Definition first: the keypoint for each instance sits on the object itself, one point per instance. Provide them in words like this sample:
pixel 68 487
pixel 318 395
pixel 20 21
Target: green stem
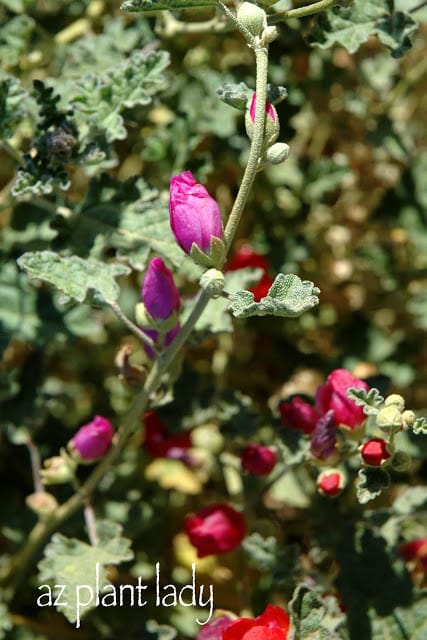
pixel 142 337
pixel 261 57
pixel 308 10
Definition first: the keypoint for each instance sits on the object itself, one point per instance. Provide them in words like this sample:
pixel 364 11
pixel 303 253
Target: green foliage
pixel 15 35
pixel 5 621
pixel 288 297
pixel 420 426
pixel 72 563
pixel 82 280
pixel 18 315
pixel 370 400
pixel 351 26
pixel 370 484
pixel 12 104
pixel 311 618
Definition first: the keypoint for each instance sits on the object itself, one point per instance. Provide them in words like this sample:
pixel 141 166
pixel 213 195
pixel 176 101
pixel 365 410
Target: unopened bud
pixel 277 153
pixel 395 400
pixel 41 502
pixel 408 418
pixel 270 34
pixel 330 482
pixel 252 17
pixel 58 469
pixel 389 416
pixel 212 281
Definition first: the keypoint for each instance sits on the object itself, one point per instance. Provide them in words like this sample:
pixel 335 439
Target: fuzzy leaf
pixel 13 108
pixel 311 618
pixel 128 216
pixel 72 563
pixel 74 277
pixel 410 501
pixel 14 39
pixel 164 5
pixel 420 426
pixel 370 400
pixel 288 297
pixel 18 316
pixel 99 100
pixel 350 26
pixel 370 484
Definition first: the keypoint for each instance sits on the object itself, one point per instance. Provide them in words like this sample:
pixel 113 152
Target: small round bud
pixel 41 502
pixel 258 460
pixel 212 281
pixel 277 153
pixel 252 17
pixel 389 416
pixel 58 469
pixel 395 400
pixel 330 482
pixel 374 452
pixel 270 34
pixel 408 418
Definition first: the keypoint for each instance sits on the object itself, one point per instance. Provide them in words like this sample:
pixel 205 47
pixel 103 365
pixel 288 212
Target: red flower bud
pixel 93 440
pixel 330 482
pixel 374 451
pixel 273 624
pixel 333 395
pixel 299 414
pixel 269 109
pixel 216 529
pixel 258 460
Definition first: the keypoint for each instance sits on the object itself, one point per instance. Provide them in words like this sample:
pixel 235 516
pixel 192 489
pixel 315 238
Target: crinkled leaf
pixel 350 26
pixel 370 400
pixel 74 277
pixel 164 5
pixel 18 315
pixel 128 216
pixel 288 297
pixel 370 483
pixel 14 39
pixel 99 100
pixel 410 501
pixel 13 104
pixel 420 426
pixel 72 563
pixel 311 618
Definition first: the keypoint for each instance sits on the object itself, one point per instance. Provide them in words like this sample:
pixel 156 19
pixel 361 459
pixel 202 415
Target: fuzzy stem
pixel 308 10
pixel 142 337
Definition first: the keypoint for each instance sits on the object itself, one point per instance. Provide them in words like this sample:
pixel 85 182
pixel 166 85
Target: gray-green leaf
pixel 370 483
pixel 74 277
pixel 352 26
pixel 73 563
pixel 370 400
pixel 288 297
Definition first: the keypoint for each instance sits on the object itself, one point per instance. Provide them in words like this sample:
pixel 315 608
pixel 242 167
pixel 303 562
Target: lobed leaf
pixel 72 563
pixel 370 400
pixel 350 26
pixel 288 297
pixel 74 277
pixel 370 484
pixel 420 426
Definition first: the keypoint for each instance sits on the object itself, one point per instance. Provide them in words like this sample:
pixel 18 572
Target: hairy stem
pixel 308 10
pixel 142 337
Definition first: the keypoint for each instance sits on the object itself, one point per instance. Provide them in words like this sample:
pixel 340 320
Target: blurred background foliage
pixel 348 210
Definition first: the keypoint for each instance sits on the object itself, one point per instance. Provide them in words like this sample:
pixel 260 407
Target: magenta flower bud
pixel 93 440
pixel 258 460
pixel 269 109
pixel 194 215
pixel 298 414
pixel 154 335
pixel 159 293
pixel 324 438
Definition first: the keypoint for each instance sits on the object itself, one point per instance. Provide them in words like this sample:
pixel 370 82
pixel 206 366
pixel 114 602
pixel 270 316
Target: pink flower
pixel 273 624
pixel 93 440
pixel 299 414
pixel 258 460
pixel 333 395
pixel 215 529
pixel 374 451
pixel 194 215
pixel 214 629
pixel 247 257
pixel 159 293
pixel 269 109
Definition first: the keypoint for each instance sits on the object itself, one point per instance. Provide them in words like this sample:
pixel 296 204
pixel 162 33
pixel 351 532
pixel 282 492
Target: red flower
pixel 416 550
pixel 258 460
pixel 159 444
pixel 299 414
pixel 333 395
pixel 273 624
pixel 374 451
pixel 215 529
pixel 247 257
